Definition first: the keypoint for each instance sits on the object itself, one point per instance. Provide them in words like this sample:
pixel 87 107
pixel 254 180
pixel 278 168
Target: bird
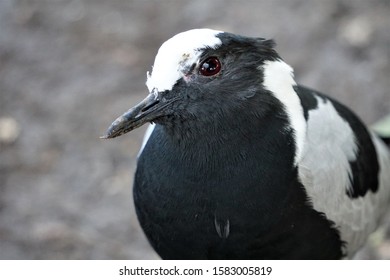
pixel 241 162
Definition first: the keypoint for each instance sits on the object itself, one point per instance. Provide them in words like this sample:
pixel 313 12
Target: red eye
pixel 210 67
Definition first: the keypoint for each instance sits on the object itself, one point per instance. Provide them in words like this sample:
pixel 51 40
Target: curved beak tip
pixel 116 129
pixel 135 117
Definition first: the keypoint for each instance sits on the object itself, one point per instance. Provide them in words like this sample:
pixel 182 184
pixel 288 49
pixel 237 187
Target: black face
pixel 225 79
pixel 224 82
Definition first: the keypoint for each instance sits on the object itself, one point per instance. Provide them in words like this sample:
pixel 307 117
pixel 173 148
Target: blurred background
pixel 69 68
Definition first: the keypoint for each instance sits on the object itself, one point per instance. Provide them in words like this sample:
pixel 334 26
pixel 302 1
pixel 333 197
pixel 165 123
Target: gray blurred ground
pixel 68 68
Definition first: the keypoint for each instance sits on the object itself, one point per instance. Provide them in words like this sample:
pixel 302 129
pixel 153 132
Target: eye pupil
pixel 210 67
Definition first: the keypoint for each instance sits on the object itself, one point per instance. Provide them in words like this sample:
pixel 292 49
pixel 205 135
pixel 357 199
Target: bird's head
pixel 205 75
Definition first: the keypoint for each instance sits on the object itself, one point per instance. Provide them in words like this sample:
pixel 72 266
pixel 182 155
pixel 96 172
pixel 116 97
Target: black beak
pixel 146 111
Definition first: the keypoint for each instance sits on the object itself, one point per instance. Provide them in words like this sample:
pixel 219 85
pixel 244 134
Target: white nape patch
pixel 325 171
pixel 176 54
pixel 279 79
pixel 148 132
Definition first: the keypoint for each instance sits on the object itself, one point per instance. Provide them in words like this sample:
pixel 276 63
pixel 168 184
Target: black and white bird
pixel 241 162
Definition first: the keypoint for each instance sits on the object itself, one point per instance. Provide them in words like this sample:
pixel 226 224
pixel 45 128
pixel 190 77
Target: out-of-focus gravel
pixel 68 68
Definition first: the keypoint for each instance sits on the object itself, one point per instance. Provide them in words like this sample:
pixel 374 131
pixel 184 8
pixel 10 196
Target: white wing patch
pixel 279 79
pixel 324 170
pixel 176 54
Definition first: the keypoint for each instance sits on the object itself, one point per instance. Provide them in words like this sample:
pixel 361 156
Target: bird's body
pixel 243 163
